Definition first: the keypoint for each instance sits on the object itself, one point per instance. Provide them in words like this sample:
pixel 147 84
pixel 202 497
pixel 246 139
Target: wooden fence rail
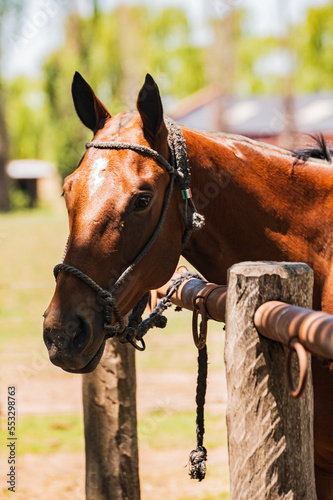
pixel 274 319
pixel 190 289
pixel 270 435
pixel 282 322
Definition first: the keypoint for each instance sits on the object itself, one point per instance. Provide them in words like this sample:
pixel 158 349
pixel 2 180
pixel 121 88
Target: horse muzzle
pixel 71 345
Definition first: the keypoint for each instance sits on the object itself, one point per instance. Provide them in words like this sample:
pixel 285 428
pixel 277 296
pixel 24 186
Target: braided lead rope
pixel 134 319
pixel 156 319
pixel 198 457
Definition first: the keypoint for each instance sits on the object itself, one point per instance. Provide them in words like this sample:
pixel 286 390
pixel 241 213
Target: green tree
pixel 305 53
pixel 114 51
pixel 313 41
pixel 7 8
pixel 27 119
pixel 236 58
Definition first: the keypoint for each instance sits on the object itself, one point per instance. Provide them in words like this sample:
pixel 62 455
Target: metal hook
pixel 199 308
pixel 297 347
pixel 134 344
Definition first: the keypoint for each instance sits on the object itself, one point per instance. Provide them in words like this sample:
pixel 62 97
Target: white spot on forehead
pixel 96 178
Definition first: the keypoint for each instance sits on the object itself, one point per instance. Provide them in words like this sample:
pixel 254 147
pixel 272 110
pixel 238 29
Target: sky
pixel 39 31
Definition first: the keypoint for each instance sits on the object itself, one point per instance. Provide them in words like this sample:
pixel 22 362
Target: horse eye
pixel 142 202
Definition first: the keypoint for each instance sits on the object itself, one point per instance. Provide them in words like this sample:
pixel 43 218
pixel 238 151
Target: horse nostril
pixel 47 338
pixel 82 336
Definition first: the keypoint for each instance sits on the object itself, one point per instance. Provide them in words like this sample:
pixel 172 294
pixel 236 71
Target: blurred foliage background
pixel 114 49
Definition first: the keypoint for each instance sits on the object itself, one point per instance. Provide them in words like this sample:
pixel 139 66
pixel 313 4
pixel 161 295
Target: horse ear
pixel 150 107
pixel 89 108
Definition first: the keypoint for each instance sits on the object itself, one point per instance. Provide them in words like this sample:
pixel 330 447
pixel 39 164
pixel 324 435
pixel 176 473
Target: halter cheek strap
pixel 179 169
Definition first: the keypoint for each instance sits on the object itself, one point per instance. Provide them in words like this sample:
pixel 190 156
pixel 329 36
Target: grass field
pixel 49 424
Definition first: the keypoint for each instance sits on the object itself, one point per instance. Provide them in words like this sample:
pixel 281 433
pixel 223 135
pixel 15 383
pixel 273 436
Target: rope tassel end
pixel 197 463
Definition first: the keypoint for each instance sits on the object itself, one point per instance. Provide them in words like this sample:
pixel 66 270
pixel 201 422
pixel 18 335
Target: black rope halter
pixel 178 168
pixel 134 331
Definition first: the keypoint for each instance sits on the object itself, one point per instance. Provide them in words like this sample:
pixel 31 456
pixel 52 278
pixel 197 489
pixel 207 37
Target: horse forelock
pixel 124 126
pixel 126 118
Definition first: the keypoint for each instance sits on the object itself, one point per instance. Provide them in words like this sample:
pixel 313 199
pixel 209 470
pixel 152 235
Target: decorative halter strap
pixel 179 169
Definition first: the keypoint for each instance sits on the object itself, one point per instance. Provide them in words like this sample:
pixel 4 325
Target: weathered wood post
pixel 110 421
pixel 270 435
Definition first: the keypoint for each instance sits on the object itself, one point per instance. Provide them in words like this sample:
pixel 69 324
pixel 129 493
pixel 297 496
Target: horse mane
pixel 320 150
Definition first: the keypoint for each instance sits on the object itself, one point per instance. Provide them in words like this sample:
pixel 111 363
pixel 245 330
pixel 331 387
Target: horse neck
pixel 257 206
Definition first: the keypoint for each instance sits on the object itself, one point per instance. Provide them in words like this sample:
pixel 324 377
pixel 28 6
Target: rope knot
pixel 161 321
pixel 110 331
pixel 195 221
pixel 197 463
pixel 106 297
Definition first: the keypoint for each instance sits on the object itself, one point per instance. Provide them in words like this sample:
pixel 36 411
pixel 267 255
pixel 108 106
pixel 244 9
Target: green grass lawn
pixel 30 245
pixel 156 430
pixel 47 434
pixel 159 430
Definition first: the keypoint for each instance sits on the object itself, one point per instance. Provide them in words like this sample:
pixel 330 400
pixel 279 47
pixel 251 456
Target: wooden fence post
pixel 270 435
pixel 110 421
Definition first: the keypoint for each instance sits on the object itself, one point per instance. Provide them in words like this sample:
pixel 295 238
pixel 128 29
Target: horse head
pixel 114 199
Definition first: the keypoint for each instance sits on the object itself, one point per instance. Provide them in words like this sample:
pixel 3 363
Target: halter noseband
pixel 178 168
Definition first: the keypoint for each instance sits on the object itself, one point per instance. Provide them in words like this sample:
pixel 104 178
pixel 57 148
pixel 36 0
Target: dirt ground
pixel 57 392
pixel 43 389
pixel 63 474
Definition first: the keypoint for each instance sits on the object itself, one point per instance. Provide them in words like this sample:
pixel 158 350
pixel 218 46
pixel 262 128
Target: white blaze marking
pixel 96 178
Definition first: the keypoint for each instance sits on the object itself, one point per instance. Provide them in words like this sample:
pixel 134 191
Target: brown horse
pixel 259 203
